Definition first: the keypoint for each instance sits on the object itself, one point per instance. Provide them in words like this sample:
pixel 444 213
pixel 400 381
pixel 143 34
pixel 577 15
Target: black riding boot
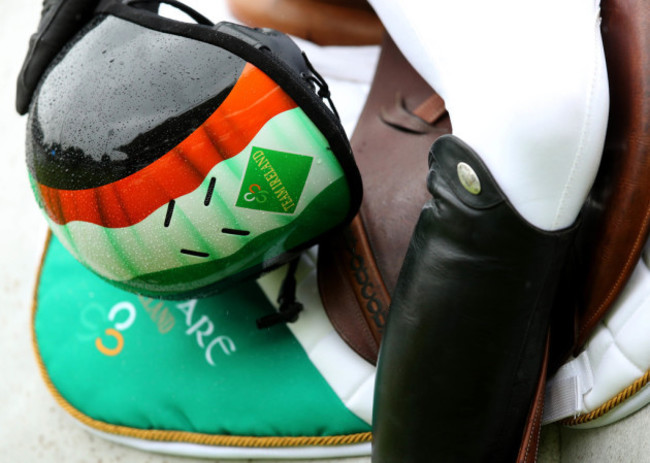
pixel 466 335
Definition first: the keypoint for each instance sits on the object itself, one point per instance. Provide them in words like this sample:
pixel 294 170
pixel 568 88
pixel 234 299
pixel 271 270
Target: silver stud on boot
pixel 468 178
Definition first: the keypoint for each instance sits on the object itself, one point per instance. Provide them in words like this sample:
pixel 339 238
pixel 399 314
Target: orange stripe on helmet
pixel 253 101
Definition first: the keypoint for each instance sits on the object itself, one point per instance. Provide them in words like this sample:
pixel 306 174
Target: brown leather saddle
pixel 358 269
pixel 325 22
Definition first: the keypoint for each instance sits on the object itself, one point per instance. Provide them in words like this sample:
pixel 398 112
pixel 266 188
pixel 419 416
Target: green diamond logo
pixel 273 181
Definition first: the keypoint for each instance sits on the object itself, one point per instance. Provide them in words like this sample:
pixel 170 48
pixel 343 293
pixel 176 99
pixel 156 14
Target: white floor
pixel 32 426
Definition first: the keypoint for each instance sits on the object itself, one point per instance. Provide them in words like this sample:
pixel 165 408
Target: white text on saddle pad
pixel 204 328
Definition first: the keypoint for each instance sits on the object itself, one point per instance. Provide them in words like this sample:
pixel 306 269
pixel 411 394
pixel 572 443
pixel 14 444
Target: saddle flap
pixel 358 268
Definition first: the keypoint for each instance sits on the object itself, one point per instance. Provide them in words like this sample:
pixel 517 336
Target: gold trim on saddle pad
pixel 608 406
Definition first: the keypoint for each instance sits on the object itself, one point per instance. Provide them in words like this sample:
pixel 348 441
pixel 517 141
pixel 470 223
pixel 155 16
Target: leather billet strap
pixel 358 268
pixel 530 442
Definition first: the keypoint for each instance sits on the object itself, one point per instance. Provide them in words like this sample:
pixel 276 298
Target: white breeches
pixel 525 85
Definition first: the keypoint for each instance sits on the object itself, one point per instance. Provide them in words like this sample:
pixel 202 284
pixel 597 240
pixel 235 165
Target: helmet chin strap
pixel 289 307
pixel 317 79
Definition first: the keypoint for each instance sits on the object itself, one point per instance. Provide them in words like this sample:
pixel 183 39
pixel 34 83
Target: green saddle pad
pixel 192 377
